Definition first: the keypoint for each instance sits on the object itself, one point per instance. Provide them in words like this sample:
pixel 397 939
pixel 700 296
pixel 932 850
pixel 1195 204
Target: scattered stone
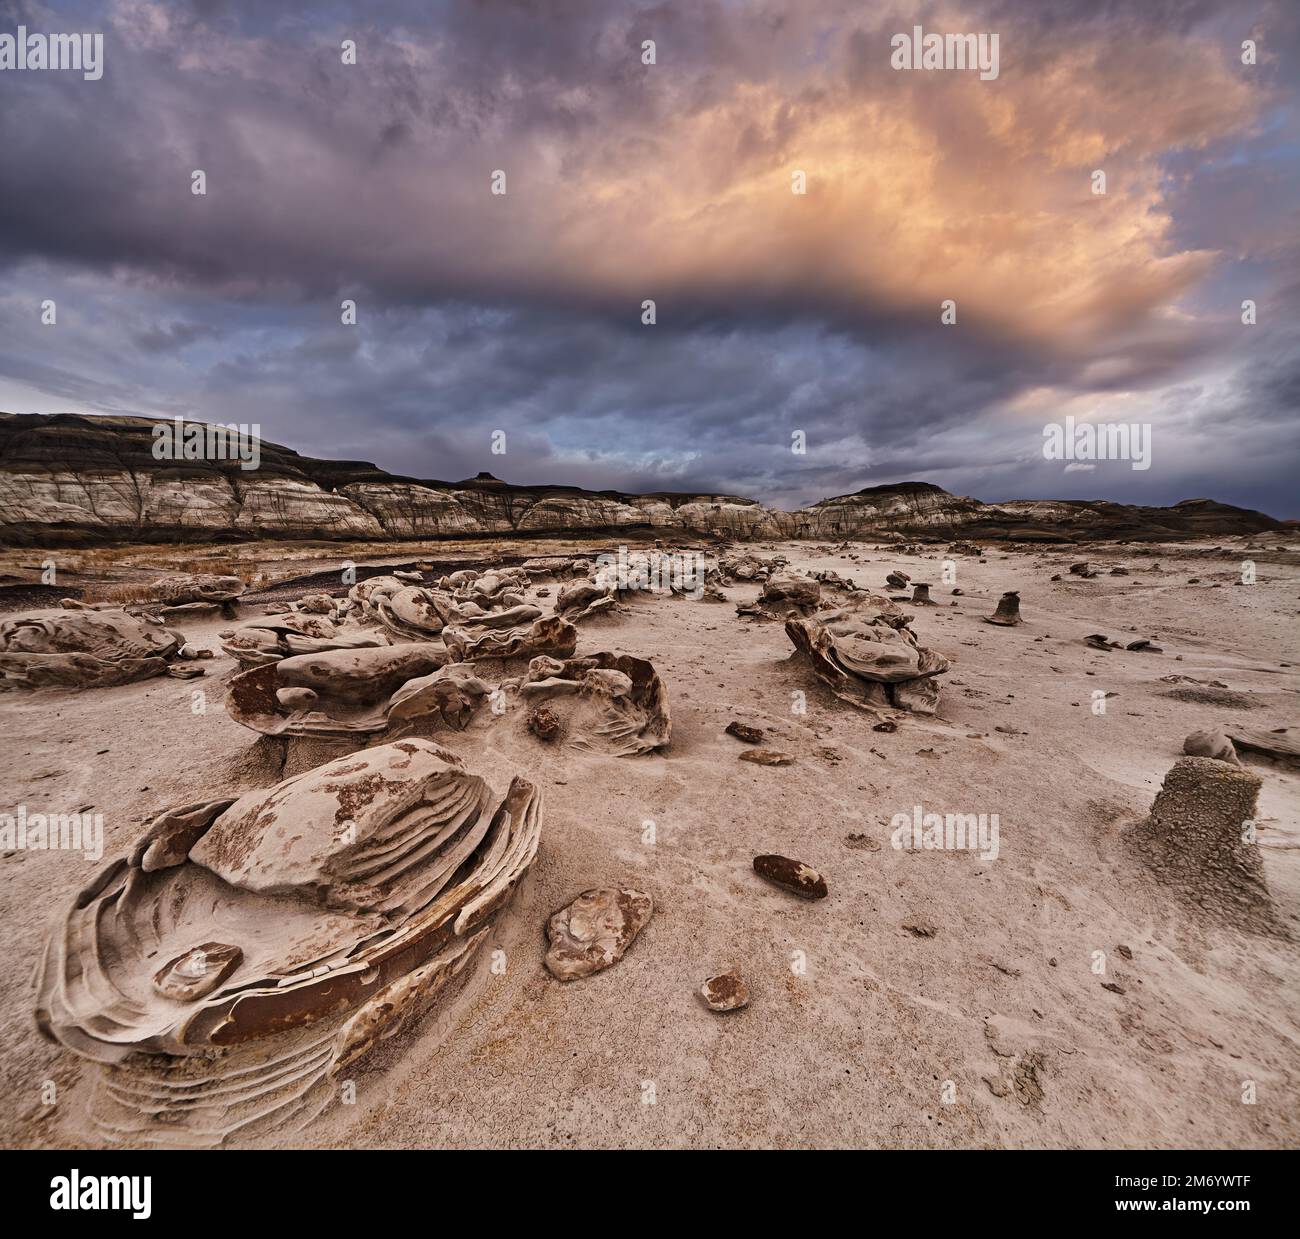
pixel 861 843
pixel 1212 695
pixel 886 725
pixel 921 929
pixel 1114 989
pixel 1143 646
pixel 767 757
pixel 743 731
pixel 595 931
pixel 792 875
pixel 897 580
pixel 1099 641
pixel 544 723
pixel 725 992
pixel 1124 952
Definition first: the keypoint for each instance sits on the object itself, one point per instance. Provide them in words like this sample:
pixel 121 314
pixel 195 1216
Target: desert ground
pixel 933 1000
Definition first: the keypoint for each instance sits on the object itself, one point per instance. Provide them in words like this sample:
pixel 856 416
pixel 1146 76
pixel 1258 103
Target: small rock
pixel 921 929
pixel 595 930
pixel 725 992
pixel 1211 744
pixel 792 875
pixel 544 723
pixel 767 757
pixel 742 731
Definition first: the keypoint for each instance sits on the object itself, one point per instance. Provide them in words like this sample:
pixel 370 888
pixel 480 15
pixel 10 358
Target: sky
pixel 782 319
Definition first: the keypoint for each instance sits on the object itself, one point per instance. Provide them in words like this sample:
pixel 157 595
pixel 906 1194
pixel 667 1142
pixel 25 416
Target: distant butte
pixel 71 480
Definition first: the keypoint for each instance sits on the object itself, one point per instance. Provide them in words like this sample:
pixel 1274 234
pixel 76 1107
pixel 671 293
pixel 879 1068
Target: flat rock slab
pixel 792 875
pixel 767 757
pixel 595 930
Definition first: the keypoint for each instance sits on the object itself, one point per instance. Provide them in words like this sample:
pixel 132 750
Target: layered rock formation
pixel 250 950
pixel 72 480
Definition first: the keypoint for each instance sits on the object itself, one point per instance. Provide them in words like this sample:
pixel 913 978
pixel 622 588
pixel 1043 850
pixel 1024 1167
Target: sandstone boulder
pixel 249 951
pixel 85 649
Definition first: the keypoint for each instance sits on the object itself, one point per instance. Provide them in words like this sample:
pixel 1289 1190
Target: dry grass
pixel 136 592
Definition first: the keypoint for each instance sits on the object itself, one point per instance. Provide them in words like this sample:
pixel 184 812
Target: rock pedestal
pixel 1008 612
pixel 1193 841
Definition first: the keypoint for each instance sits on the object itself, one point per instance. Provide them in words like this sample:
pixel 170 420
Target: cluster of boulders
pixel 421 670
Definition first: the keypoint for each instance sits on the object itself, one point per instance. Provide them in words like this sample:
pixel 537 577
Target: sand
pixel 932 1000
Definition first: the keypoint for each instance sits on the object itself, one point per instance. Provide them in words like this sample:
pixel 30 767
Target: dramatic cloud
pixel 776 312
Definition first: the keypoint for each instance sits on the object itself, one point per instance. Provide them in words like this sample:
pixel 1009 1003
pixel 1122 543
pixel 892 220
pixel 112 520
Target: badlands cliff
pixel 72 480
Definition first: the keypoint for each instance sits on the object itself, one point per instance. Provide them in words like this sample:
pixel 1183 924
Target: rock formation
pixel 1199 842
pixel 66 479
pixel 1008 610
pixel 611 702
pixel 85 649
pixel 869 657
pixel 791 591
pixel 338 693
pixel 248 951
pixel 285 636
pixel 183 588
pixel 553 636
pixel 449 697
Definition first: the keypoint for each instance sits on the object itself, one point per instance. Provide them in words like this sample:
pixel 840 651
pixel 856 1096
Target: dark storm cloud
pixel 670 182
